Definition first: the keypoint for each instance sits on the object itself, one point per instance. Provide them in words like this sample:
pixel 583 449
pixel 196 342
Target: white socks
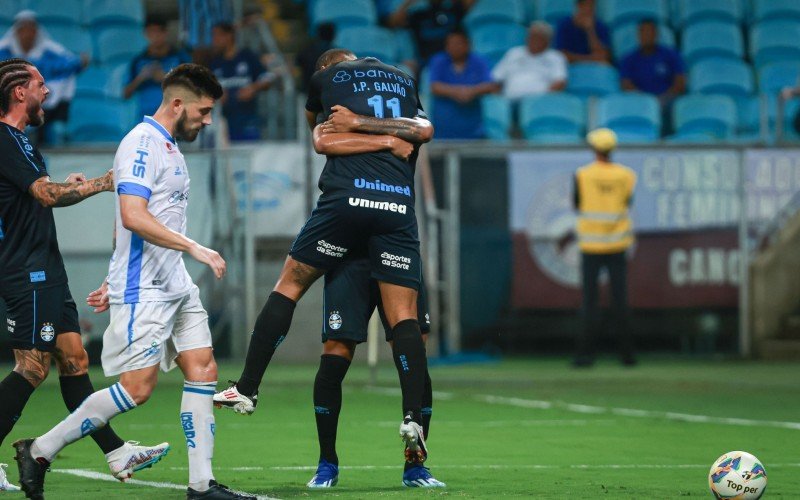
pixel 92 414
pixel 197 418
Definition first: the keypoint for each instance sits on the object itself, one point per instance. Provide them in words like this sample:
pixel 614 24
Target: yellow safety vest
pixel 604 191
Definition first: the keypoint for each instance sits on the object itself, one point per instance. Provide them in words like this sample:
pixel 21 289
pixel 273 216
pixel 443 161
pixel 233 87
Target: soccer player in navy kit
pixel 367 205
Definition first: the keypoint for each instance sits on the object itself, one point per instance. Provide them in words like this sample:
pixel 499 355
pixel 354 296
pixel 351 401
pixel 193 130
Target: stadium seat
pixel 102 81
pixel 694 11
pixel 748 119
pixel 721 76
pixel 492 41
pixel 592 79
pixel 114 12
pixel 695 116
pixel 53 12
pixel 769 10
pixel 108 121
pixel 552 118
pixel 76 39
pixel 344 14
pixel 406 46
pixel 774 77
pixel 625 39
pixel 553 11
pixel 118 45
pixel 635 117
pixel 9 10
pixel 791 108
pixel 711 40
pixel 370 41
pixel 774 41
pixel 495 11
pixel 620 13
pixel 496 114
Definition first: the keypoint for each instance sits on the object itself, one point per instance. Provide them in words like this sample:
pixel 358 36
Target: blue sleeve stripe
pixel 8 128
pixel 134 189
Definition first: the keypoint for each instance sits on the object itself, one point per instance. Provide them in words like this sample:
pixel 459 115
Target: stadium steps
pixel 779 350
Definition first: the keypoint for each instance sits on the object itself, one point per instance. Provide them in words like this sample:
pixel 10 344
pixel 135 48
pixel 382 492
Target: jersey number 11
pixel 393 104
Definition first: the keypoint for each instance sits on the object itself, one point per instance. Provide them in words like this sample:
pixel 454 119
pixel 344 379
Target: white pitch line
pixel 152 484
pixel 498 466
pixel 395 391
pixel 628 412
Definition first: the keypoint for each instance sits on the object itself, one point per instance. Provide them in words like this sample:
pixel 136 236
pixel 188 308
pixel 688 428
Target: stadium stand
pixel 495 11
pixel 554 118
pixel 694 11
pixel 492 41
pixel 748 119
pixel 711 40
pixel 774 41
pixel 496 113
pixel 635 117
pixel 370 41
pixel 552 11
pixel 115 45
pixel 73 37
pixel 344 14
pixel 721 76
pixel 51 13
pixel 104 13
pixel 619 13
pixel 108 121
pixel 624 39
pixel 592 79
pixel 704 118
pixel 772 78
pixel 767 10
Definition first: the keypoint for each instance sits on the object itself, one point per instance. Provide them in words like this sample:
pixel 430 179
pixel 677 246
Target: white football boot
pixel 232 399
pixel 4 484
pixel 412 435
pixel 131 457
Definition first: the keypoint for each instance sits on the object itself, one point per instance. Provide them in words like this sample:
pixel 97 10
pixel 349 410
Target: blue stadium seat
pixel 76 39
pixel 711 40
pixel 9 10
pixel 712 116
pixel 118 45
pixel 625 39
pixel 495 11
pixel 748 119
pixel 370 41
pixel 531 10
pixel 623 12
pixel 108 121
pixel 406 46
pixel 114 12
pixel 694 11
pixel 791 108
pixel 774 77
pixel 768 10
pixel 344 14
pixel 634 116
pixel 592 79
pixel 552 118
pixel 775 41
pixel 492 41
pixel 52 12
pixel 721 76
pixel 553 11
pixel 102 81
pixel 496 114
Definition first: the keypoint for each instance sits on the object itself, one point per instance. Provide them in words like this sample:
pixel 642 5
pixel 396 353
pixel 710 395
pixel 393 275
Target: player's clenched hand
pixel 79 177
pixel 210 258
pixel 99 298
pixel 341 120
pixel 401 149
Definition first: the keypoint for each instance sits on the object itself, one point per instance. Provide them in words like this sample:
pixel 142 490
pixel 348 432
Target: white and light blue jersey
pixel 149 164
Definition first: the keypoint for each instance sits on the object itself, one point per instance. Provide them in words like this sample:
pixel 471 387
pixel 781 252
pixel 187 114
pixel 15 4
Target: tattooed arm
pixel 64 194
pixel 414 130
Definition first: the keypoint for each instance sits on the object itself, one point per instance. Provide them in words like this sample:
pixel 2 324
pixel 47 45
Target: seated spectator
pixel 654 69
pixel 58 66
pixel 534 68
pixel 148 68
pixel 582 37
pixel 458 78
pixel 306 59
pixel 430 24
pixel 242 77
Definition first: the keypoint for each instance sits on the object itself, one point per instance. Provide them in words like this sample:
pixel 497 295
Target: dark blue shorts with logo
pixel 349 299
pixel 364 222
pixel 35 318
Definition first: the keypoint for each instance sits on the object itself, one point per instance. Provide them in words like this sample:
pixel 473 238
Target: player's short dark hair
pixel 225 26
pixel 155 20
pixel 331 56
pixel 326 31
pixel 459 31
pixel 13 73
pixel 196 78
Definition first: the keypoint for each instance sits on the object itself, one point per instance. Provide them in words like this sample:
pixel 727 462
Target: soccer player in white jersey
pixel 156 315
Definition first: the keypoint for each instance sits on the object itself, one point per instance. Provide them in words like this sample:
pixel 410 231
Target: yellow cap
pixel 602 140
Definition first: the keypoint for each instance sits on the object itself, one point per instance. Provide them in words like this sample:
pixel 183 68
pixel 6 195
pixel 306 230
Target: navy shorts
pixel 34 319
pixel 350 296
pixel 384 230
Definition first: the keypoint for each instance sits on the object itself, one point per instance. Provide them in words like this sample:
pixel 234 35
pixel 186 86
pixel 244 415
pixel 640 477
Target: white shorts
pixel 151 333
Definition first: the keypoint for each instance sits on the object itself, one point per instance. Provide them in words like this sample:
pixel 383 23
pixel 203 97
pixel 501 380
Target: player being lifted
pixel 156 315
pixel 366 205
pixel 42 318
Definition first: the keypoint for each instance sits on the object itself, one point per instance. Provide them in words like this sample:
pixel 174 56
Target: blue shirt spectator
pixel 242 77
pixel 146 70
pixel 653 68
pixel 458 79
pixel 582 37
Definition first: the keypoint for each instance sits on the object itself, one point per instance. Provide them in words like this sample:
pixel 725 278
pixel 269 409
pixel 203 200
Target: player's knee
pixel 139 390
pixel 73 364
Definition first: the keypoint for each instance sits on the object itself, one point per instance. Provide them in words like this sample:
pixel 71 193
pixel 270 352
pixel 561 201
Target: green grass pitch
pixel 520 428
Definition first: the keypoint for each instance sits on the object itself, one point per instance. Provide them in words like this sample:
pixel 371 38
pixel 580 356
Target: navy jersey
pixel 366 87
pixel 29 255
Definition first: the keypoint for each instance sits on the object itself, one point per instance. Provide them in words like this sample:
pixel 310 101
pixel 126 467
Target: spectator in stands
pixel 58 66
pixel 459 78
pixel 429 24
pixel 603 192
pixel 242 77
pixel 307 58
pixel 582 37
pixel 148 68
pixel 655 69
pixel 534 68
